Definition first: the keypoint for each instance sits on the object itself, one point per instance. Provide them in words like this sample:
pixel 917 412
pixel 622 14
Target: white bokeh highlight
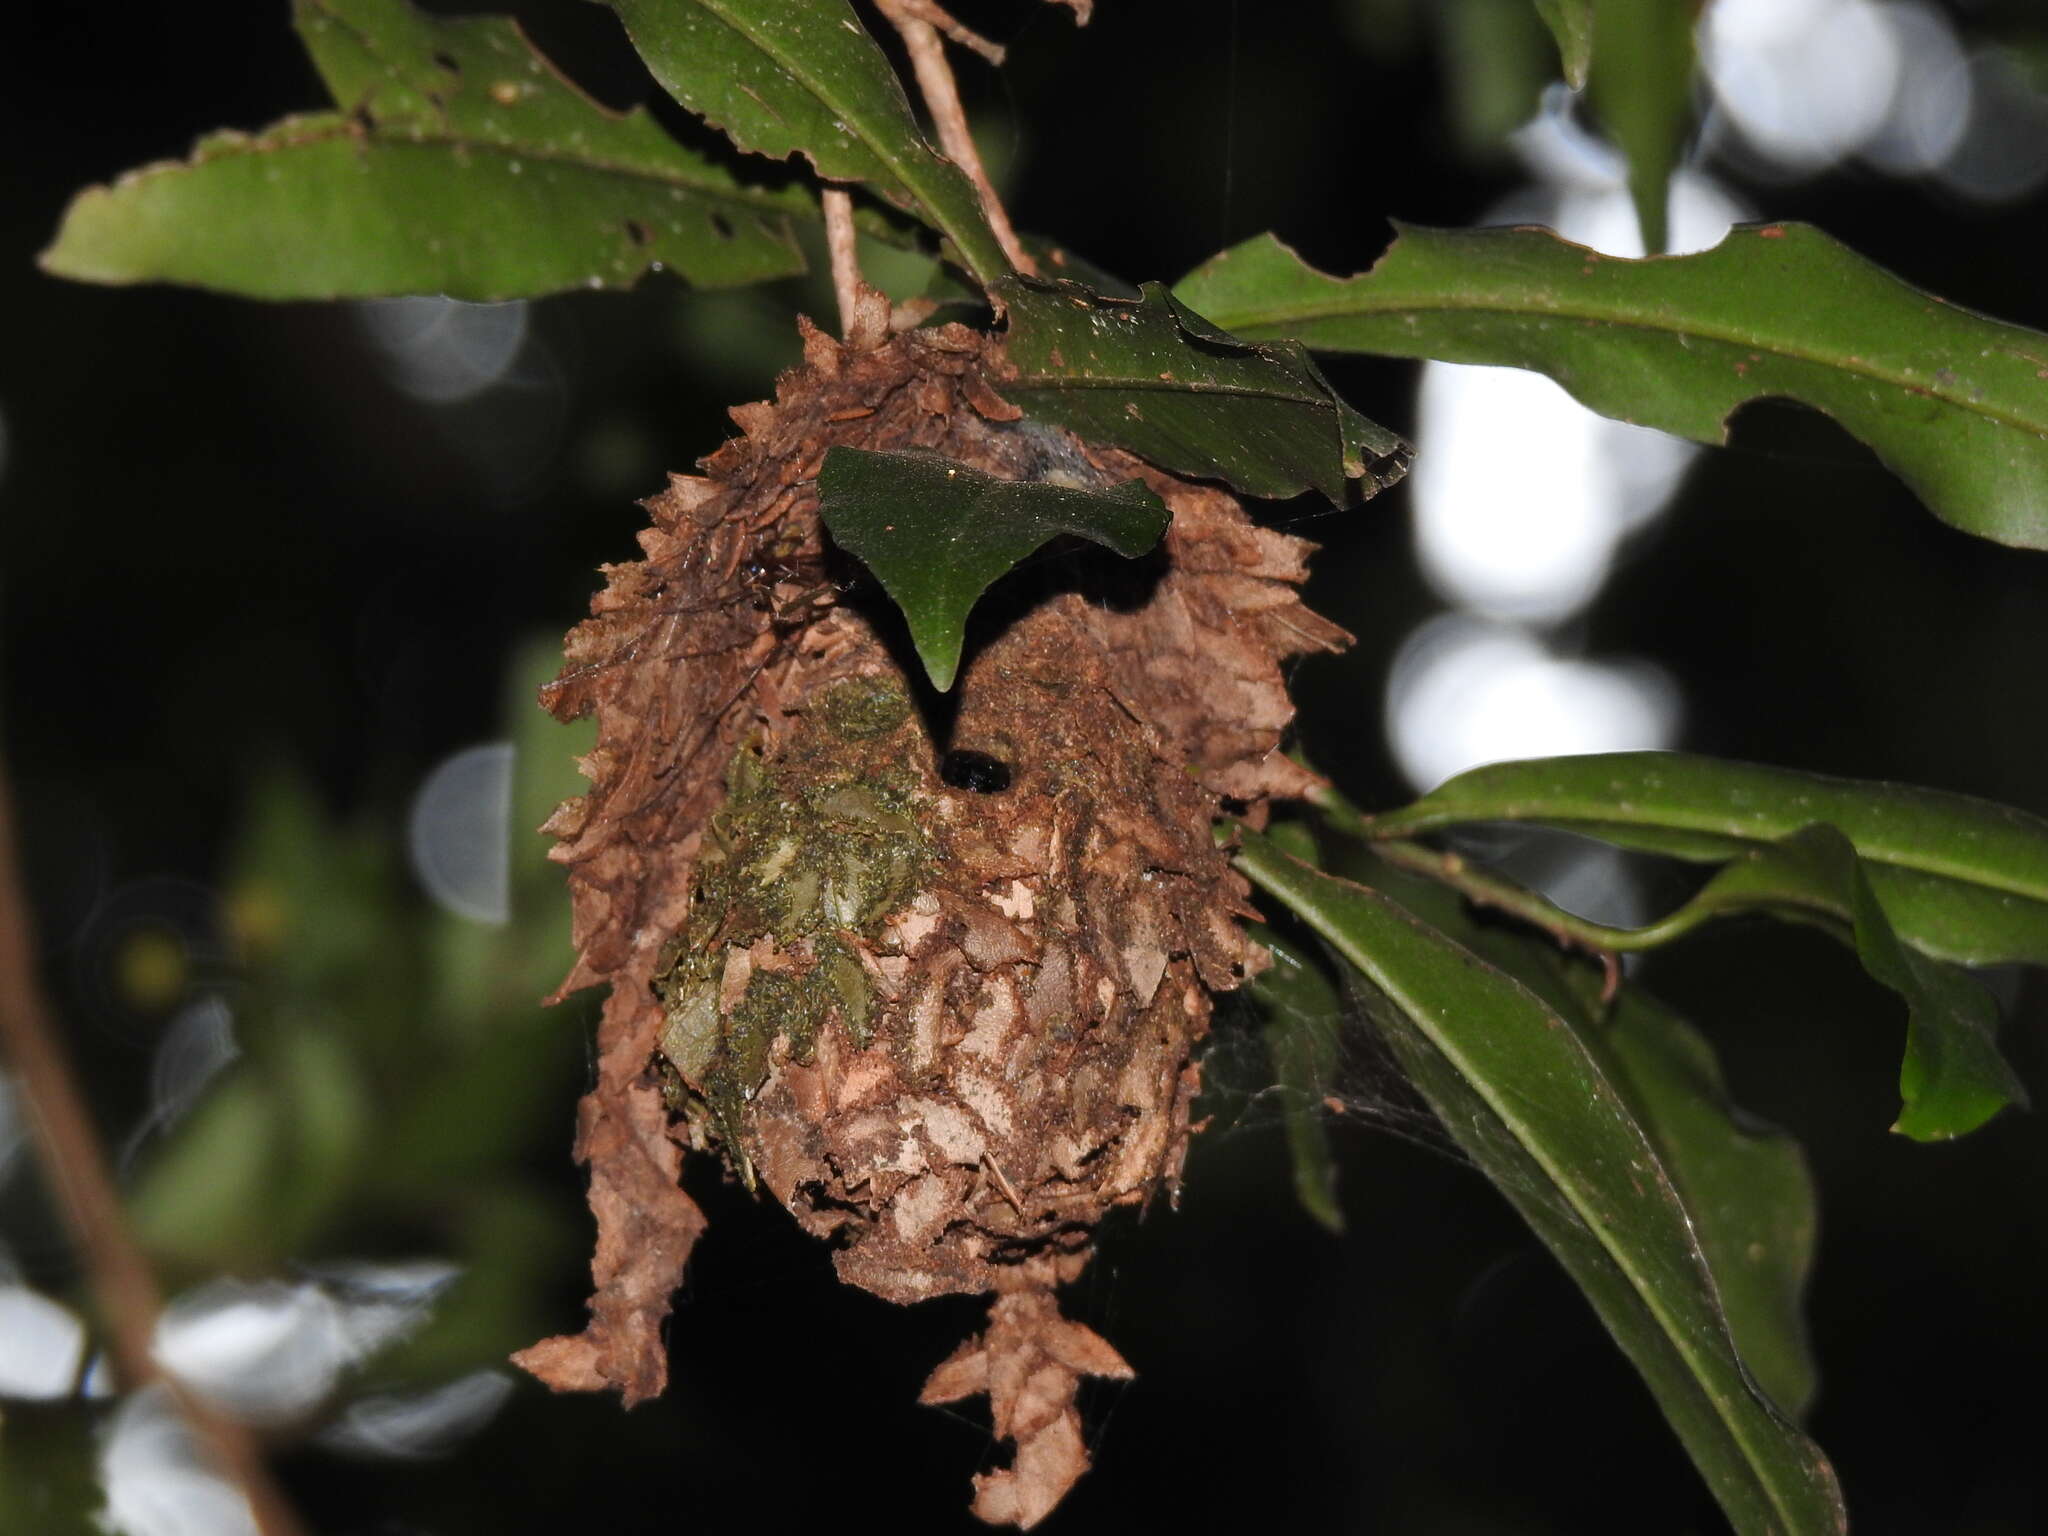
pixel 445 351
pixel 1465 692
pixel 1806 82
pixel 1931 103
pixel 420 1425
pixel 459 834
pixel 270 1352
pixel 1522 495
pixel 1798 86
pixel 1522 499
pixel 197 1045
pixel 2003 155
pixel 156 1481
pixel 42 1343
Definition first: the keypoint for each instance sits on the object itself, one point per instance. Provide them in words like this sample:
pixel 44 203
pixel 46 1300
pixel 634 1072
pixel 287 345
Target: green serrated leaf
pixel 1958 878
pixel 1951 401
pixel 459 163
pixel 1641 86
pixel 1152 376
pixel 1303 1016
pixel 1525 1098
pixel 937 534
pixel 783 77
pixel 1571 23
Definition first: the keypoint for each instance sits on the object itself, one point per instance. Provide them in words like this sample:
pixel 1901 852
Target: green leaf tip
pixel 938 534
pixel 1952 1078
pixel 1571 23
pixel 459 162
pixel 1912 879
pixel 1152 376
pixel 1951 401
pixel 1640 70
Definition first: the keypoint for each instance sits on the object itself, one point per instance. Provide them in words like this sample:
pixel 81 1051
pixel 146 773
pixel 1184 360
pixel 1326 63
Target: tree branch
pixel 77 1170
pixel 1484 888
pixel 863 311
pixel 914 19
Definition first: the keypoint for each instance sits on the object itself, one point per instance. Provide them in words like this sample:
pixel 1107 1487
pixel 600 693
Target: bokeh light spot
pixel 460 833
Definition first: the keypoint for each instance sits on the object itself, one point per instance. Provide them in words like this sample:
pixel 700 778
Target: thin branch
pixel 77 1170
pixel 942 99
pixel 935 15
pixel 863 311
pixel 1484 888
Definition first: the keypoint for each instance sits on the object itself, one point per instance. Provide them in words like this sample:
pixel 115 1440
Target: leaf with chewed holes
pixel 458 162
pixel 1952 402
pixel 783 77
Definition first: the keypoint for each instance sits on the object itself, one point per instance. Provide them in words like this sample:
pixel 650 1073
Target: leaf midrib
pixel 1291 314
pixel 325 127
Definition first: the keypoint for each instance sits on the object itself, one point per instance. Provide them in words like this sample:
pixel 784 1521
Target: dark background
pixel 227 541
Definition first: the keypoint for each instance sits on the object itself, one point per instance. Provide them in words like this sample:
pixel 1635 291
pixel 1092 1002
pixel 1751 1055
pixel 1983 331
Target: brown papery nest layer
pixel 956 1089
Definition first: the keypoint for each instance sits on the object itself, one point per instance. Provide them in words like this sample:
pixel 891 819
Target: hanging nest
pixel 943 1000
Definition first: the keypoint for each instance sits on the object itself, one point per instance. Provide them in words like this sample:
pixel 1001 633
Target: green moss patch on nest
pixel 808 855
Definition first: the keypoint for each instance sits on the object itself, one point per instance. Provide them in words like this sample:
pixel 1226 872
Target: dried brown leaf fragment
pixel 1029 1364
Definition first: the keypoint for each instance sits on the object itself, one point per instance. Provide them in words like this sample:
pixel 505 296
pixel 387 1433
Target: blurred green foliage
pixel 397 1065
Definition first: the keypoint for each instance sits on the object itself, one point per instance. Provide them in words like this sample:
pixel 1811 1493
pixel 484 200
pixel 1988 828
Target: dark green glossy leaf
pixel 785 77
pixel 1641 85
pixel 459 163
pixel 938 534
pixel 1571 23
pixel 1303 1016
pixel 1744 1183
pixel 1522 1094
pixel 1959 879
pixel 1952 401
pixel 1152 376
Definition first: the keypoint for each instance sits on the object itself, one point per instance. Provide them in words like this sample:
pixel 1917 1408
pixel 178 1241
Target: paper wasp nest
pixel 942 1000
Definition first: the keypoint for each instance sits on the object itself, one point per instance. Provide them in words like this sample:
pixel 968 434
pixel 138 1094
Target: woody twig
pixel 76 1167
pixel 863 311
pixel 920 22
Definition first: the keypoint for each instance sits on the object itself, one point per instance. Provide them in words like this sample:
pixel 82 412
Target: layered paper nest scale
pixel 944 1008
